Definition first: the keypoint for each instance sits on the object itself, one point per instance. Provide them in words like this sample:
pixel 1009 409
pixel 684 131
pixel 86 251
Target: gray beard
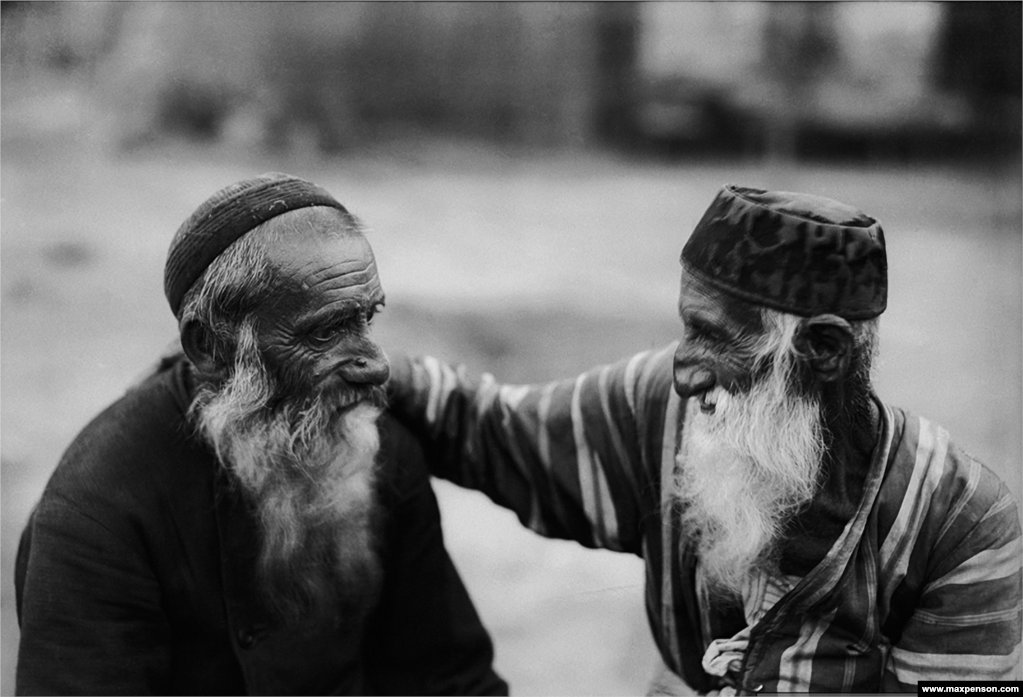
pixel 742 473
pixel 308 471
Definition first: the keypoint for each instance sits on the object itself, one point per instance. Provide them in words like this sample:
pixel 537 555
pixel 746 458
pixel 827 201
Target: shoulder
pixel 925 461
pixel 133 450
pixel 937 491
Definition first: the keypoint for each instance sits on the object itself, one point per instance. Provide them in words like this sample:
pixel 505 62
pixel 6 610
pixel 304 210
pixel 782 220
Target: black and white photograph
pixel 532 348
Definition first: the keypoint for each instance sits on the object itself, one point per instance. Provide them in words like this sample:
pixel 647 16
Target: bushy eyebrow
pixel 336 316
pixel 711 330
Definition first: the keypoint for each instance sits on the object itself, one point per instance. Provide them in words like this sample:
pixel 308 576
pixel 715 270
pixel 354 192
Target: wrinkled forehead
pixel 699 299
pixel 310 260
pixel 317 274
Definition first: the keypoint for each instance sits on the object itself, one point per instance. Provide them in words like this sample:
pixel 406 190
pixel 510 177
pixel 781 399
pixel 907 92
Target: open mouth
pixel 709 399
pixel 349 397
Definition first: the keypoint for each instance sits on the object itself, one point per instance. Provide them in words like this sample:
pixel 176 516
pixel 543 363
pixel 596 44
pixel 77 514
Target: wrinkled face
pixel 714 352
pixel 751 447
pixel 314 333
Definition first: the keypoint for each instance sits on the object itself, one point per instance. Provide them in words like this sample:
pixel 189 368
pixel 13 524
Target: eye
pixel 322 336
pixel 698 329
pixel 373 311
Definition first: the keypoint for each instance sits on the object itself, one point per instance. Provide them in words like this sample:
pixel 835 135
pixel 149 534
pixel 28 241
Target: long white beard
pixel 743 471
pixel 309 472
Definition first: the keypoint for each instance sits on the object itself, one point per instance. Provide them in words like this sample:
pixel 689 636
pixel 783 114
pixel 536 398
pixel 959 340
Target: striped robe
pixel 924 582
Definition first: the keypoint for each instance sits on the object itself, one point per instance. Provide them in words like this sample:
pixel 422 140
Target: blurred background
pixel 529 173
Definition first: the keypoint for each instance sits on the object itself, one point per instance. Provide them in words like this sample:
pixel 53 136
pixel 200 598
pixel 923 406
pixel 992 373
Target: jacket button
pixel 246 639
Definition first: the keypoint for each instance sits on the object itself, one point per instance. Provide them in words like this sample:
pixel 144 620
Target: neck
pixel 851 419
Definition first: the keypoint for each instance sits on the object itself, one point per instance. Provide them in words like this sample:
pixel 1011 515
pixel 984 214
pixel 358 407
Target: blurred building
pixel 747 77
pixel 526 73
pixel 849 78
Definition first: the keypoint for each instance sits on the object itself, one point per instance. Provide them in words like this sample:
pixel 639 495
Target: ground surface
pixel 529 267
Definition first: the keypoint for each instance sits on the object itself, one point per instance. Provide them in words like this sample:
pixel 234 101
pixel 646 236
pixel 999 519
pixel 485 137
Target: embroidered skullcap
pixel 227 215
pixel 801 254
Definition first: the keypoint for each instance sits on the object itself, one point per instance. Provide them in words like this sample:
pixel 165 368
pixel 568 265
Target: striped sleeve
pixel 565 456
pixel 966 622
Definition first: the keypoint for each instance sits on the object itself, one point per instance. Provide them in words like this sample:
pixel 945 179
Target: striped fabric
pixel 923 583
pixel 762 591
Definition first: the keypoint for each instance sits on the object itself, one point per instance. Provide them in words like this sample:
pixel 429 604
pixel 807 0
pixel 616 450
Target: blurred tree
pixel 979 50
pixel 333 74
pixel 799 48
pixel 61 36
pixel 978 55
pixel 308 84
pixel 617 38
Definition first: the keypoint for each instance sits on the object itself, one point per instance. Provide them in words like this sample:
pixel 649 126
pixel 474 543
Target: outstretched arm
pixel 576 459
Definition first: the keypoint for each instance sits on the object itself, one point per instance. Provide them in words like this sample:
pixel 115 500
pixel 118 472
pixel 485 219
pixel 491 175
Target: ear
pixel 201 348
pixel 826 343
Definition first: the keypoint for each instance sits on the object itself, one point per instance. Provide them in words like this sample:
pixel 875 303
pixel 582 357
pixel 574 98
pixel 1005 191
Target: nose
pixel 366 369
pixel 689 377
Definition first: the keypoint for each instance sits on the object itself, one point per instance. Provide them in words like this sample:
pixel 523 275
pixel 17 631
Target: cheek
pixel 294 368
pixel 299 368
pixel 731 370
pixel 734 377
pixel 303 369
pixel 309 368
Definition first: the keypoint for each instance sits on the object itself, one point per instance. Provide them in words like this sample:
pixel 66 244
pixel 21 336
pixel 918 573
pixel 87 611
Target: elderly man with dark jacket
pixel 245 520
pixel 799 533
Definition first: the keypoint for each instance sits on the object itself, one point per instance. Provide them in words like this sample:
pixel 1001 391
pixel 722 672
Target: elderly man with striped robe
pixel 799 534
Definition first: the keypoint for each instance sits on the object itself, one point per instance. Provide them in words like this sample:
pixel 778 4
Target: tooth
pixel 707 404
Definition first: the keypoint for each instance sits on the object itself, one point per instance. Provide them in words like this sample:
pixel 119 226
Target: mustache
pixel 345 396
pixel 329 396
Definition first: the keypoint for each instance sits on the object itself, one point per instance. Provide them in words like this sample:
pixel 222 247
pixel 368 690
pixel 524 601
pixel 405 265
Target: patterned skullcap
pixel 227 215
pixel 797 253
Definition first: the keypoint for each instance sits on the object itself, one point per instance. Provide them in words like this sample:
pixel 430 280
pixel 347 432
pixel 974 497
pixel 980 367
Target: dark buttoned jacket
pixel 136 575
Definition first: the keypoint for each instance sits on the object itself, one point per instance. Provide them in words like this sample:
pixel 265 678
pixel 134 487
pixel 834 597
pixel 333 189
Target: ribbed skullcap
pixel 227 215
pixel 801 254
